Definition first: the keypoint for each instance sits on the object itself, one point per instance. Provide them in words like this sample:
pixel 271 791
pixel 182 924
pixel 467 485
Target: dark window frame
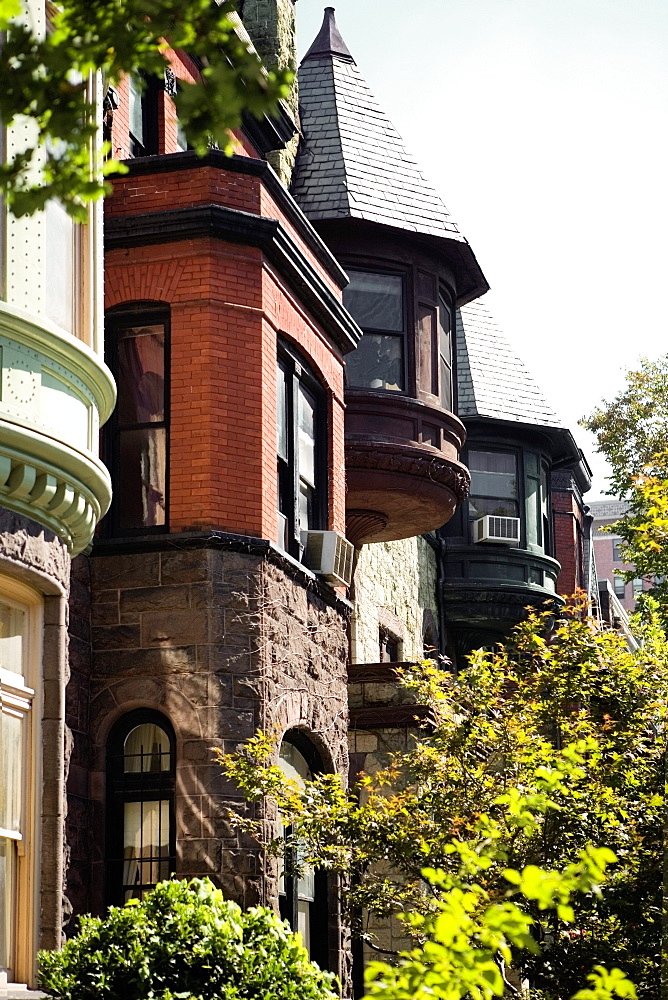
pixel 123 787
pixel 149 88
pixel 117 319
pixel 299 374
pixel 409 361
pixel 544 522
pixel 288 901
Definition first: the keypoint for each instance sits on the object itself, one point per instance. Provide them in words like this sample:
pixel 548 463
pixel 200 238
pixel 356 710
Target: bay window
pixel 494 484
pixel 141 769
pixel 376 301
pixel 300 449
pixel 137 436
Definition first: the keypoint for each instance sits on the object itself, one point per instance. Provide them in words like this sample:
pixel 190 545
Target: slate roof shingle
pixel 492 381
pixel 352 162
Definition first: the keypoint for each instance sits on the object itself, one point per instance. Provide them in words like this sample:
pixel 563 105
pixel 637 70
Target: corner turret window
pixel 300 448
pixel 376 301
pixel 137 436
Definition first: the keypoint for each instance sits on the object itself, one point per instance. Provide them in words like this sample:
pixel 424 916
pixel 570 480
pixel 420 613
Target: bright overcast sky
pixel 542 124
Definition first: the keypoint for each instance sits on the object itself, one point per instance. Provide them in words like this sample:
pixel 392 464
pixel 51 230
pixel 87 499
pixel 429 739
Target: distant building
pixel 607 550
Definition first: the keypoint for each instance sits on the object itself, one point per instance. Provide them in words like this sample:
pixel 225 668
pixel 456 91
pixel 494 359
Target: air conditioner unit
pixel 501 530
pixel 330 555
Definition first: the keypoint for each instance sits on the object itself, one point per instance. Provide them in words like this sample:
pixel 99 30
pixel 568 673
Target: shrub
pixel 184 940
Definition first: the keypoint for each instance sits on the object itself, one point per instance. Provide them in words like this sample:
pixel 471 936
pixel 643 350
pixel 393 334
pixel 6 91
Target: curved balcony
pixel 54 395
pixel 402 465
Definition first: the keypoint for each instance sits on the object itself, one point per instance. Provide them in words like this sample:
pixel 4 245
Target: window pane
pixel 142 478
pixel 620 586
pixel 306 432
pixel 493 474
pixel 136 111
pixel 305 506
pixel 445 353
pixel 60 247
pixel 282 413
pixel 12 631
pixel 377 363
pixel 141 375
pixel 375 300
pixel 11 772
pixel 146 749
pixel 145 845
pixel 479 506
pixel 7 901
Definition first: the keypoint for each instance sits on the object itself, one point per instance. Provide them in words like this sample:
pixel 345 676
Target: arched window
pixel 303 896
pixel 136 445
pixel 140 803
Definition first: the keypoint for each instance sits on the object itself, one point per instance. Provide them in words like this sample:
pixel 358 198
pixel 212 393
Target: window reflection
pixel 493 484
pixel 376 303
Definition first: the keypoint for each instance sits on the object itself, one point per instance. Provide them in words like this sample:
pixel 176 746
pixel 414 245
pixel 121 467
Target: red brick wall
pixel 568 541
pixel 229 306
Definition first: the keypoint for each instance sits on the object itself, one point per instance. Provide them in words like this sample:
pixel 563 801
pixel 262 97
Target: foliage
pixel 548 745
pixel 47 85
pixel 467 944
pixel 184 941
pixel 632 433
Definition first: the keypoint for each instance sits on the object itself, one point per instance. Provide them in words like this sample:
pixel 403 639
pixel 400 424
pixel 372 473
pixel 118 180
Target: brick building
pixel 299 356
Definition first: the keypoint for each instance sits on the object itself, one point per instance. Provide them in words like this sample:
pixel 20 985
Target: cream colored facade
pixel 55 393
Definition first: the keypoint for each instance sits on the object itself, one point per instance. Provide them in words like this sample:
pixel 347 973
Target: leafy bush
pixel 184 940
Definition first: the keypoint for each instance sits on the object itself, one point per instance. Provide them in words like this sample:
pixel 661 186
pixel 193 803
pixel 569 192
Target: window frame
pixel 407 342
pixel 117 319
pixel 147 89
pixel 22 694
pixel 128 786
pixel 288 479
pixel 289 901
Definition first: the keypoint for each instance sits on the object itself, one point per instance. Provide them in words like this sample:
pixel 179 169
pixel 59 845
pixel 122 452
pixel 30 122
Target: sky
pixel 543 126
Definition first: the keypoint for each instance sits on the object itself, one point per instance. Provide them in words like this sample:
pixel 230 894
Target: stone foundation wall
pixel 223 640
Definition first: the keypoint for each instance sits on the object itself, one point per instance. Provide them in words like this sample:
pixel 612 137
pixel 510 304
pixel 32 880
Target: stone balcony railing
pixel 54 395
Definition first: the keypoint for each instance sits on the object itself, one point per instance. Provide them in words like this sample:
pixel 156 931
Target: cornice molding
pixel 235 226
pixel 169 162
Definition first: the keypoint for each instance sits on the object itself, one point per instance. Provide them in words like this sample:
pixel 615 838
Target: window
pixel 620 586
pixel 376 302
pixel 19 657
pixel 300 452
pixel 302 891
pixel 137 437
pixel 141 769
pixel 494 488
pixel 637 586
pixel 617 550
pixel 143 115
pixel 389 647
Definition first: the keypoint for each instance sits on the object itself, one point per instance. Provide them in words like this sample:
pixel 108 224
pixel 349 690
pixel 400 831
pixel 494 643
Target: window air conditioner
pixel 330 555
pixel 501 530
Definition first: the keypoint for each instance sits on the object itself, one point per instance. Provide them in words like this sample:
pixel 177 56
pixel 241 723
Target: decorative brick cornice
pixel 235 226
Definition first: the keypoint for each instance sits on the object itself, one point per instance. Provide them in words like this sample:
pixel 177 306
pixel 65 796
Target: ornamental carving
pixel 410 462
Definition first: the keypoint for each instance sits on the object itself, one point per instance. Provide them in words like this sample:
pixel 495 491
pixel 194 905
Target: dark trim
pixel 235 226
pixel 224 540
pixel 389 717
pixel 383 673
pixel 189 160
pixel 269 133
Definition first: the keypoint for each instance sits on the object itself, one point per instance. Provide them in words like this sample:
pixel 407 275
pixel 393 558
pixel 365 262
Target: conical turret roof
pixel 352 162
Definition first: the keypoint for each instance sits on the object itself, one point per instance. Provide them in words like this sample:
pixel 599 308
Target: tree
pixel 46 82
pixel 183 940
pixel 632 434
pixel 558 738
